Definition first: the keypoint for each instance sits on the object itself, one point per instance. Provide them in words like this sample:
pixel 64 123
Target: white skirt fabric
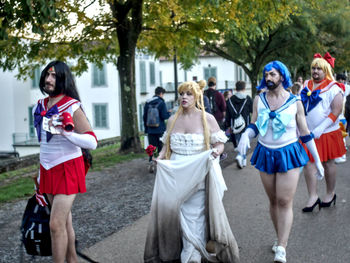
pixel 181 220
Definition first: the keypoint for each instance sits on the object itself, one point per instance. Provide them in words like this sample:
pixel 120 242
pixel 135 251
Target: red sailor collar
pixel 62 105
pixel 324 86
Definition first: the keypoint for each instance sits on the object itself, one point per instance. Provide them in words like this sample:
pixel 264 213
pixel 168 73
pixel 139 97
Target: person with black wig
pixel 62 167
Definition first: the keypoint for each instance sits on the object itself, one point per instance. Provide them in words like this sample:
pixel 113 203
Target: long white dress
pixel 187 208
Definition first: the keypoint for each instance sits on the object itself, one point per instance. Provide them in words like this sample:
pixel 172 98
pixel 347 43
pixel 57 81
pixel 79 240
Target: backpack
pixel 238 124
pixel 153 119
pixel 212 102
pixel 35 229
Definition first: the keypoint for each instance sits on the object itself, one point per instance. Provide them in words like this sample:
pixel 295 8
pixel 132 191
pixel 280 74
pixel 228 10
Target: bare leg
pixel 330 177
pixel 71 252
pixel 286 185
pixel 60 211
pixel 269 183
pixel 311 183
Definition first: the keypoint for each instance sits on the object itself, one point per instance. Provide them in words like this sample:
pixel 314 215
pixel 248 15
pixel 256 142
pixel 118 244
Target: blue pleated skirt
pixel 279 160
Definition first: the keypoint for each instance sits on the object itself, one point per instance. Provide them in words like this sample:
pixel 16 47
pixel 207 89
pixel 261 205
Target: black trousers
pixel 154 140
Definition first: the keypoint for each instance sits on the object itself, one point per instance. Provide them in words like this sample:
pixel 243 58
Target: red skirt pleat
pixel 329 146
pixel 65 178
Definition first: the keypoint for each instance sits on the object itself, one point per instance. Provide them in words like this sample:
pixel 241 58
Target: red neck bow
pixel 327 57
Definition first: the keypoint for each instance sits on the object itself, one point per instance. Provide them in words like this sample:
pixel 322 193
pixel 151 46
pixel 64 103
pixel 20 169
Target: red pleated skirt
pixel 65 178
pixel 329 146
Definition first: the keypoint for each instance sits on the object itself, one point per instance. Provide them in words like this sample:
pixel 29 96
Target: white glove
pixel 244 142
pixel 85 141
pixel 313 150
pixel 318 131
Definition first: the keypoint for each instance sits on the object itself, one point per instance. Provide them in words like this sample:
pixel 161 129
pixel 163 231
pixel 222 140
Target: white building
pixel 100 96
pixel 99 93
pixel 226 73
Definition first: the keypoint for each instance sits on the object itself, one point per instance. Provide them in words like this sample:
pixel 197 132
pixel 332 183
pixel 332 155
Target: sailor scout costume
pixel 278 149
pixel 62 169
pixel 317 104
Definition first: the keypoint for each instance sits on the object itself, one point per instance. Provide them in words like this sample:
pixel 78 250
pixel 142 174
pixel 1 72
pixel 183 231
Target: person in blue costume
pixel 278 117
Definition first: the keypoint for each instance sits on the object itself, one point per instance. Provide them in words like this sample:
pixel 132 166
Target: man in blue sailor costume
pixel 278 117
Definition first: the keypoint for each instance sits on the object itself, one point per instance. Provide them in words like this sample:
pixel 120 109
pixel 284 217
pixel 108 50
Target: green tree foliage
pixel 306 27
pixel 249 33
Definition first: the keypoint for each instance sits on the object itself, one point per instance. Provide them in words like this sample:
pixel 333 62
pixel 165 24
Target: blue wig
pixel 282 69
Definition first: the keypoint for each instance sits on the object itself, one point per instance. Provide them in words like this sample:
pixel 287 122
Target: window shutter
pixel 143 77
pixel 152 73
pixel 206 73
pixel 31 122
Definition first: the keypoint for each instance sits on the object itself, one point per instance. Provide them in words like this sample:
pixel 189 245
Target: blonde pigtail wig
pixel 198 95
pixel 168 151
pixel 325 66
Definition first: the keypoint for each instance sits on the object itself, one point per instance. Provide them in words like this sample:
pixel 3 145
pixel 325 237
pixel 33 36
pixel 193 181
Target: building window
pixel 36 78
pixel 152 74
pixel 143 85
pixel 98 75
pixel 100 115
pixel 31 122
pixel 210 72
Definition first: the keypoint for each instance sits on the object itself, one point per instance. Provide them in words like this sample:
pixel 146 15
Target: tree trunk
pixel 129 17
pixel 130 140
pixel 254 81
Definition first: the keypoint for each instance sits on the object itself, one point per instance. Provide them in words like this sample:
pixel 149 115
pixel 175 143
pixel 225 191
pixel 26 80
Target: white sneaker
pixel 239 161
pixel 274 247
pixel 280 255
pixel 341 159
pixel 244 162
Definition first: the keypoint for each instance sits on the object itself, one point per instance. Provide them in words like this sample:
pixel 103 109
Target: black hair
pixel 211 84
pixel 340 76
pixel 159 90
pixel 65 84
pixel 64 80
pixel 240 85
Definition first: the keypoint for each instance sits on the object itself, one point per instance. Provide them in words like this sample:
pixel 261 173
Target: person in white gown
pixel 187 209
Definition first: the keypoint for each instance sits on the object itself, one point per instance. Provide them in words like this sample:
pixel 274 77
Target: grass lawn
pixel 19 183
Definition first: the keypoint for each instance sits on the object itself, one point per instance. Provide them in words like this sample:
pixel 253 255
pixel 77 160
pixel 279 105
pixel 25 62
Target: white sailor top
pixel 55 149
pixel 317 104
pixel 277 128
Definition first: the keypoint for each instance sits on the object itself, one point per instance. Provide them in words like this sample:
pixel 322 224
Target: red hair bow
pixel 327 57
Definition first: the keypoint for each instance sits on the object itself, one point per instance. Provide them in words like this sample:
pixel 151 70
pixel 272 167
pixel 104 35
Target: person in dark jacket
pixel 234 106
pixel 217 102
pixel 154 133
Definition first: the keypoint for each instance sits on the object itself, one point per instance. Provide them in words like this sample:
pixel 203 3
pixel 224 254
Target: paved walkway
pixel 318 237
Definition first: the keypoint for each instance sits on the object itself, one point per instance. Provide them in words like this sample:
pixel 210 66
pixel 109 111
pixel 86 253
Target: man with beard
pixel 278 117
pixel 62 167
pixel 323 100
